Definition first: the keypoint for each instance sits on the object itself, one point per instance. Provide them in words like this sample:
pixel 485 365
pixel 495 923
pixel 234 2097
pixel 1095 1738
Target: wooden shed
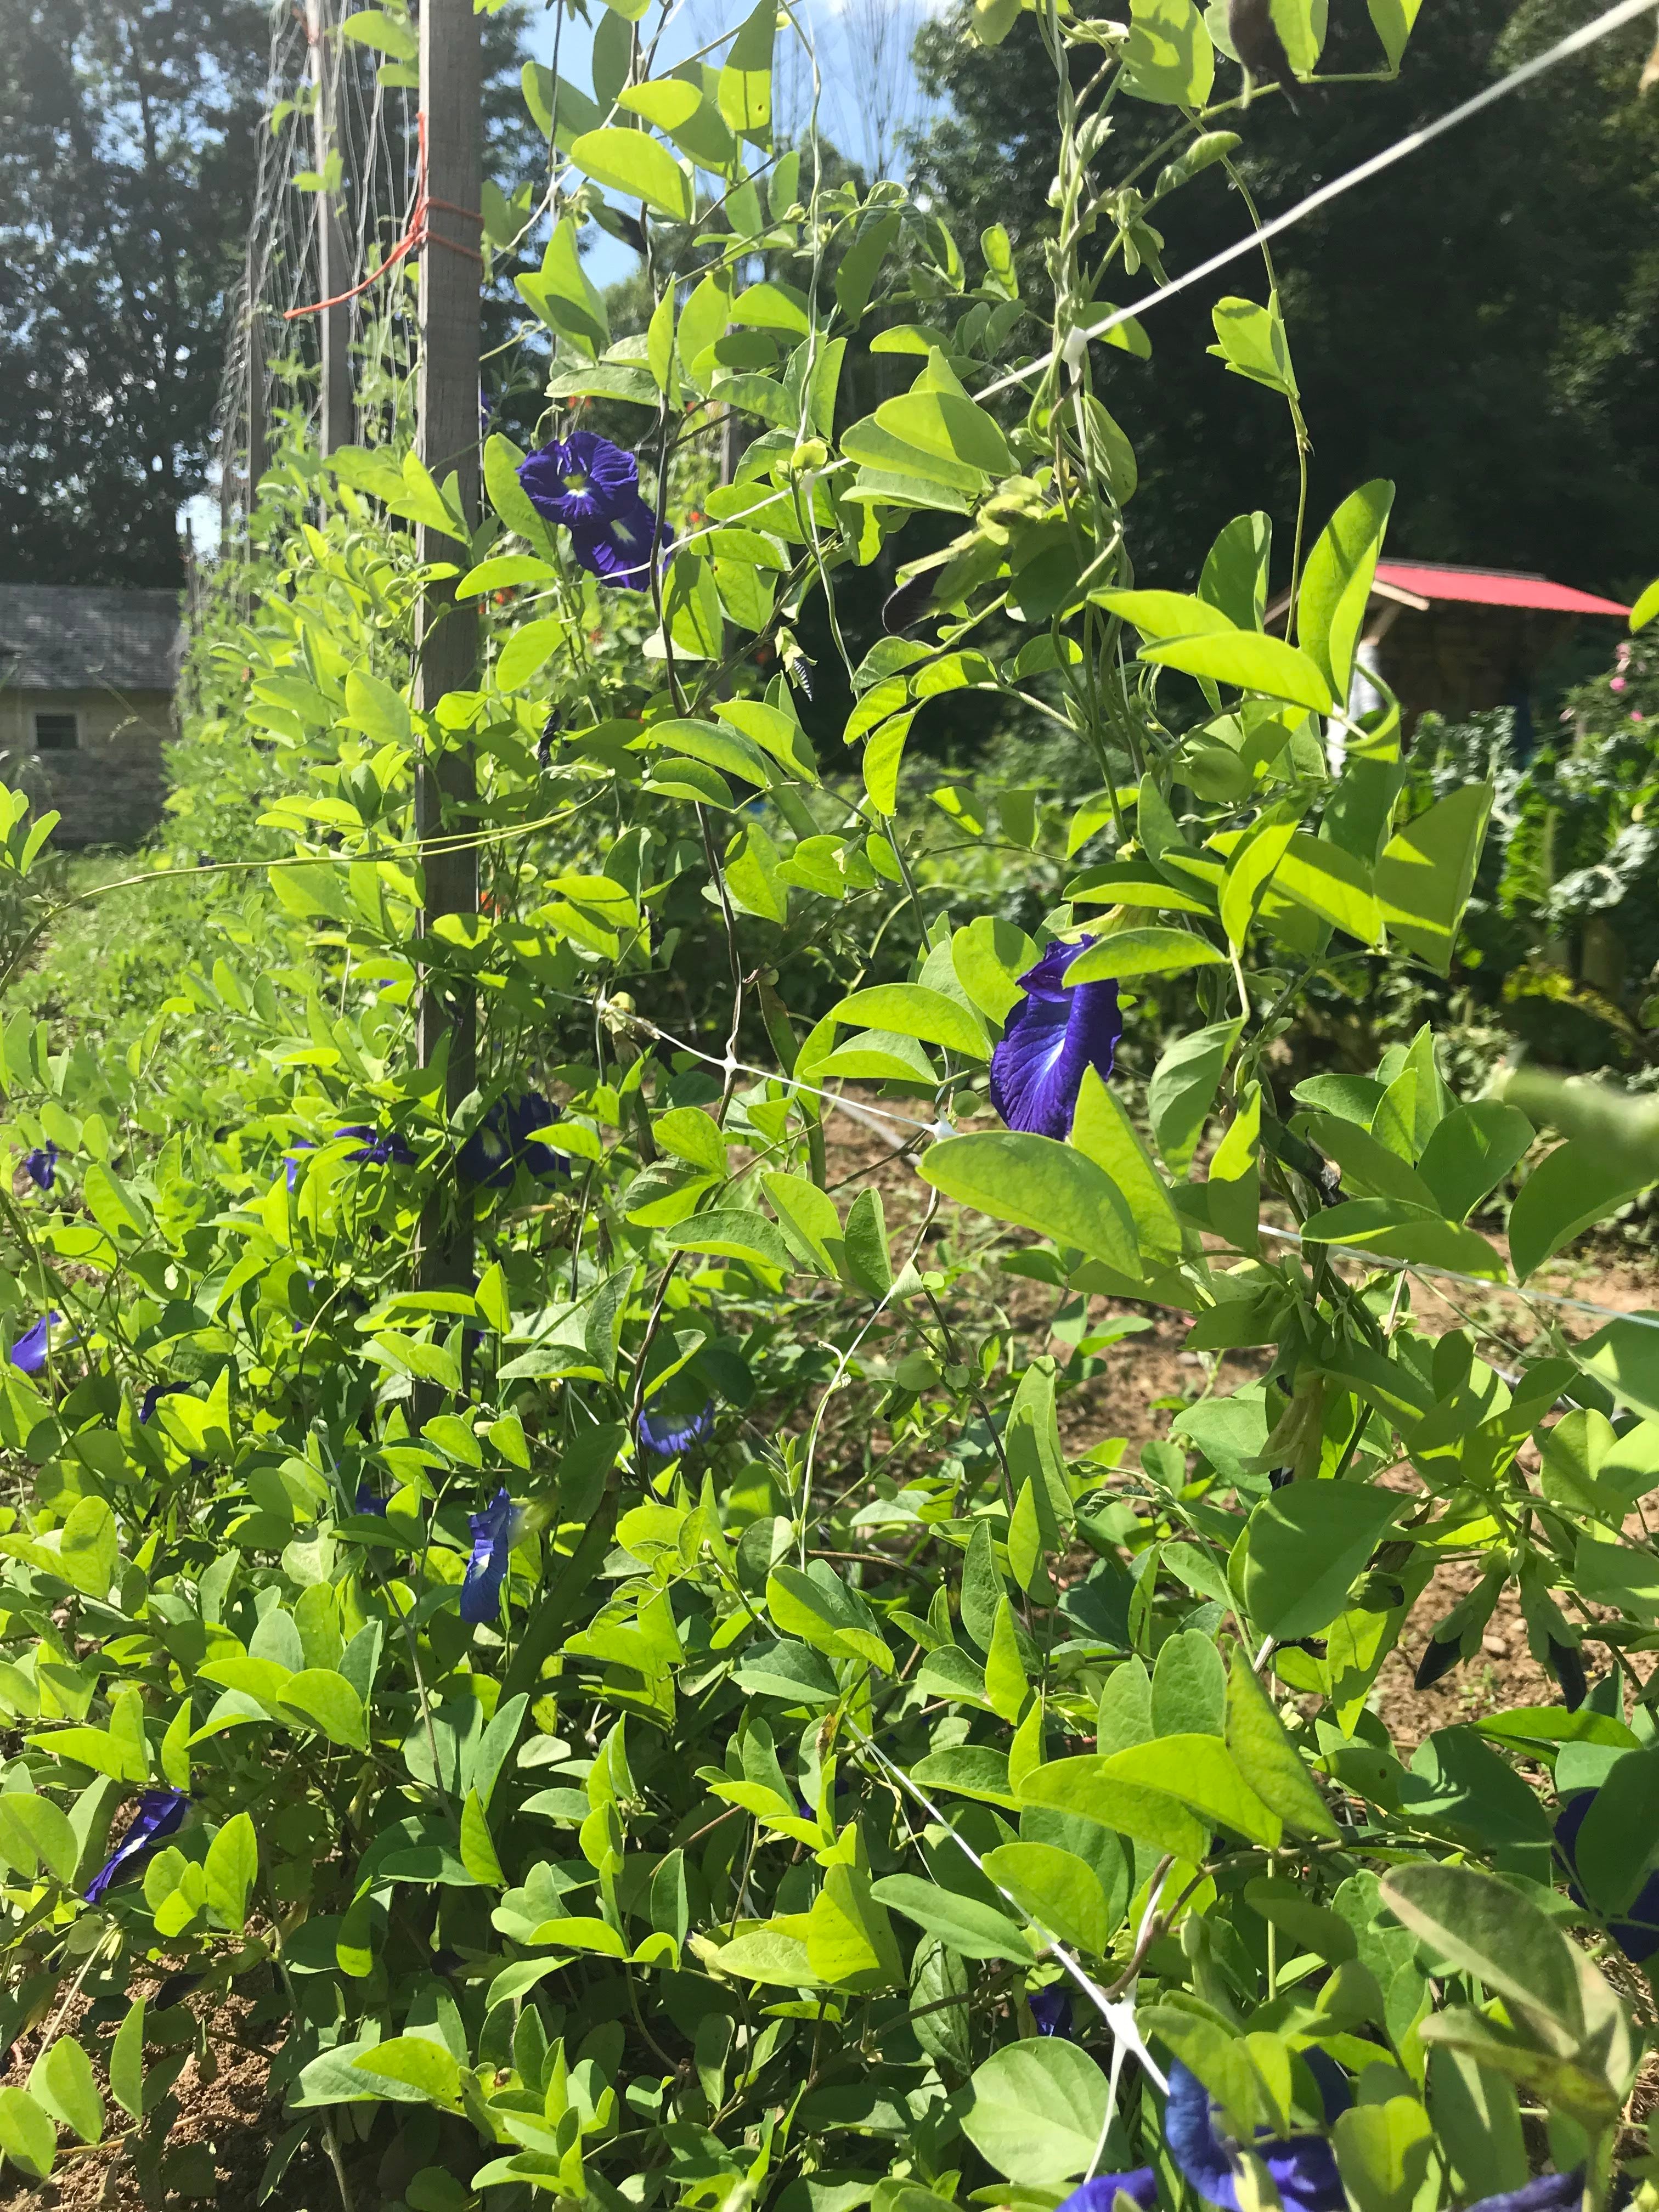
pixel 88 675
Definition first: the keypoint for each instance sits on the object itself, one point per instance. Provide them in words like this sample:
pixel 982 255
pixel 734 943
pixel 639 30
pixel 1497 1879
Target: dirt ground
pixel 228 2121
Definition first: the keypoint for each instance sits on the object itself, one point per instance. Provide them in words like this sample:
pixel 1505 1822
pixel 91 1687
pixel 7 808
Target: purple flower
pixel 40 1165
pixel 300 1145
pixel 29 1353
pixel 1551 2192
pixel 1638 1936
pixel 1301 2167
pixel 619 550
pixel 1051 2008
pixel 154 1396
pixel 378 1148
pixel 368 1499
pixel 668 1433
pixel 581 480
pixel 486 1571
pixel 1139 2185
pixel 1054 1033
pixel 502 1144
pixel 159 1812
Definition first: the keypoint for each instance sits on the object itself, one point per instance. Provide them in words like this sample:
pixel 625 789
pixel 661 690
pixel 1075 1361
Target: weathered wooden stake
pixel 333 253
pixel 447 400
pixel 257 455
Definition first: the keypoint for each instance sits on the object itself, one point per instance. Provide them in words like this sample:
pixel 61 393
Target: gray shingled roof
pixel 79 638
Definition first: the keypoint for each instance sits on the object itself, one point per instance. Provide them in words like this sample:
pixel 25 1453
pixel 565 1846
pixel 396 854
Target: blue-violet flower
pixel 492 1532
pixel 668 1433
pixel 580 481
pixel 1636 1934
pixel 29 1353
pixel 502 1142
pixel 1052 1035
pixel 159 1812
pixel 40 1165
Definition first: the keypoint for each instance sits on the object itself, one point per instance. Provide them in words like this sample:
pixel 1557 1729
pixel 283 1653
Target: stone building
pixel 87 681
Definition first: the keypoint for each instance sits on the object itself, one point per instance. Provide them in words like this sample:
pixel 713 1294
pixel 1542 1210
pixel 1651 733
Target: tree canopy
pixel 124 180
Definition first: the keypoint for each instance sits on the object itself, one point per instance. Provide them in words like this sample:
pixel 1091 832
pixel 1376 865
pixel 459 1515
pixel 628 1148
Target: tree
pixel 1482 324
pixel 125 176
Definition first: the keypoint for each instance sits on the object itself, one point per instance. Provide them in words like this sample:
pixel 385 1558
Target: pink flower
pixel 1619 683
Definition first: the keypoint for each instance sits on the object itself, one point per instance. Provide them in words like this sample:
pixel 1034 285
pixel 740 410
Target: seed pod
pixel 1567 1665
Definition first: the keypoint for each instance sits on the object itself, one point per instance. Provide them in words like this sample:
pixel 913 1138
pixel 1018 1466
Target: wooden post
pixel 334 264
pixel 448 403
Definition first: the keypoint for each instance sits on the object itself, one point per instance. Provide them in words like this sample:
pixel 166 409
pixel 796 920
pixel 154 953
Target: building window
pixel 56 733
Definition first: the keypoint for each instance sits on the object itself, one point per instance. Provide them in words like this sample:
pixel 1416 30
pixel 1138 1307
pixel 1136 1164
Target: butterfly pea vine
pixel 681 1718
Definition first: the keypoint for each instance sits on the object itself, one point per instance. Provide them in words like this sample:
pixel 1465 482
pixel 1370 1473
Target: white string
pixel 1451 1275
pixel 1119 2018
pixel 1615 18
pixel 941 1129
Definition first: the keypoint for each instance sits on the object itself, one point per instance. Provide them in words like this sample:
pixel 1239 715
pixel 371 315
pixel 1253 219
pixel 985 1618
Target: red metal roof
pixel 1493 587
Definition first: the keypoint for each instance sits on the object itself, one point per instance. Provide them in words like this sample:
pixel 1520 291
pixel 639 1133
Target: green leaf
pixel 1393 21
pixel 62 2081
pixel 1382 2153
pixel 1182 1091
pixel 633 163
pixel 866 1261
pixel 1251 661
pixel 976 1930
pixel 34 1831
pixel 1336 583
pixel 126 2061
pixel 1625 1355
pixel 1269 1762
pixel 989 956
pixel 1199 1770
pixel 849 1939
pixel 1331 882
pixel 767 1955
pixel 1038 1183
pixel 883 753
pixel 1477 2117
pixel 1250 865
pixel 231 1869
pixel 746 81
pixel 1059 1890
pixel 1399 1230
pixel 691 611
pixel 1427 870
pixel 969 1770
pixel 527 651
pixel 1158 615
pixel 948 425
pixel 1006 1687
pixel 1103 1131
pixel 1082 1785
pixel 1036 2110
pixel 731 1233
pixel 477 1846
pixel 561 294
pixel 88 1547
pixel 326 1700
pixel 991 20
pixel 1251 341
pixel 1144 952
pixel 819 1608
pixel 913 1010
pixel 1470 1152
pixel 1170 58
pixel 1483 1927
pixel 1571 1187
pixel 1307 1542
pixel 420 2063
pixel 1646 607
pixel 26 2136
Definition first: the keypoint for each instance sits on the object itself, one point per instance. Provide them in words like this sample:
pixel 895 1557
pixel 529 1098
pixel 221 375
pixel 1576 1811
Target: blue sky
pixel 869 90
